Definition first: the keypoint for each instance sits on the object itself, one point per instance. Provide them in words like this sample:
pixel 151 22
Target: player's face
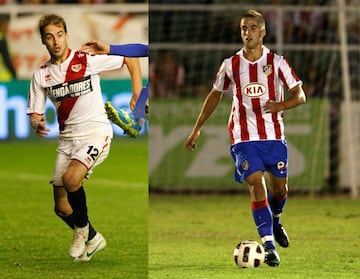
pixel 55 40
pixel 252 33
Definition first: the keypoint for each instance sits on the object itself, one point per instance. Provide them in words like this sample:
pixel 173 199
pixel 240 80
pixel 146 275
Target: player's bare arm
pixel 133 66
pixel 38 123
pixel 297 97
pixel 210 103
pixel 95 47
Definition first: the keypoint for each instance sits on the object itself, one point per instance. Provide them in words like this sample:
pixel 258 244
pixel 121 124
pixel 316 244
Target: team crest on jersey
pixel 281 165
pixel 267 69
pixel 76 68
pixel 245 165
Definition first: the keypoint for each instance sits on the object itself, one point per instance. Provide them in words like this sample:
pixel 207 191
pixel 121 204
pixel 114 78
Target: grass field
pixel 194 237
pixel 34 242
pixel 177 237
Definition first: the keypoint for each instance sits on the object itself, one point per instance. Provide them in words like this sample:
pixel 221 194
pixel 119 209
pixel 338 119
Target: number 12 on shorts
pixel 93 152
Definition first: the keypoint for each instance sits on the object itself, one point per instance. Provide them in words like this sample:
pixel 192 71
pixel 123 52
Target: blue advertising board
pixel 14 122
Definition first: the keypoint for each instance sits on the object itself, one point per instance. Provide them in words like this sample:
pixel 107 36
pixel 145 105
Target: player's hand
pixel 272 106
pixel 95 47
pixel 190 142
pixel 40 127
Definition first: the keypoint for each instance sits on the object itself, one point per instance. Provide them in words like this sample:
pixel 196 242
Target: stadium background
pixel 319 38
pixel 315 131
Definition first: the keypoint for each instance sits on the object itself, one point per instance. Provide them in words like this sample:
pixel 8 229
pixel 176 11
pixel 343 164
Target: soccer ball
pixel 249 253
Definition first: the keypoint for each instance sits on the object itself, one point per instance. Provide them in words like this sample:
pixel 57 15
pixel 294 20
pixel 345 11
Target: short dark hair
pixel 255 14
pixel 48 19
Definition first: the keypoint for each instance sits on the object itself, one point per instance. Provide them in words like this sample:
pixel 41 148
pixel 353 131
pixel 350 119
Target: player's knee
pixel 280 192
pixel 70 182
pixel 62 211
pixel 257 191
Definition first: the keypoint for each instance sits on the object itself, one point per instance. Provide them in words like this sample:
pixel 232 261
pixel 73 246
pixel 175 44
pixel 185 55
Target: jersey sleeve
pixel 100 63
pixel 36 98
pixel 287 74
pixel 222 80
pixel 130 50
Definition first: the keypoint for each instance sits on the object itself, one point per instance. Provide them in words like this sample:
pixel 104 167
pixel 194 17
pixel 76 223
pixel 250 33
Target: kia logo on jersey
pixel 254 89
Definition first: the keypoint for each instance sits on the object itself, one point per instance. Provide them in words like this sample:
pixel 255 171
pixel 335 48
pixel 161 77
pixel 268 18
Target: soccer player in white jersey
pixel 257 78
pixel 70 79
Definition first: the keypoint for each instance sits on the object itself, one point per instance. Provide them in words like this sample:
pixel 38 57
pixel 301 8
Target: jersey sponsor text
pixel 70 89
pixel 254 89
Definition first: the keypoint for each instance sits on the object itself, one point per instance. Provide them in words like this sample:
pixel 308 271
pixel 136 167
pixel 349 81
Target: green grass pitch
pixel 175 237
pixel 194 237
pixel 34 241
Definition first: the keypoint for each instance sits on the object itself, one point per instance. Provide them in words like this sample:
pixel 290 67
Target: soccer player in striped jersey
pixel 130 121
pixel 70 79
pixel 257 78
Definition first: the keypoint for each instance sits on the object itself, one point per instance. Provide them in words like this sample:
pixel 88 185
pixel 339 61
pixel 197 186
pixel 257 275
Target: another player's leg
pixel 130 121
pixel 124 119
pixel 141 109
pixel 263 217
pixel 277 197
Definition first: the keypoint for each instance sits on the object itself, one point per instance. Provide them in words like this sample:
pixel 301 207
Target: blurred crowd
pixel 175 73
pixel 33 2
pixel 312 28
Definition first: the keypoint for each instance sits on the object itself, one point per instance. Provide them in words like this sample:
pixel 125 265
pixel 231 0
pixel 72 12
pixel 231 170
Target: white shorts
pixel 90 152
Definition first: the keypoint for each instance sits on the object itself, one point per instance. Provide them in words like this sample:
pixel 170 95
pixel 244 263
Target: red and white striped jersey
pixel 252 85
pixel 74 89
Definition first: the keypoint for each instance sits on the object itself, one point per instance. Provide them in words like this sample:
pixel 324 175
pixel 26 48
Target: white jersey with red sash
pixel 253 84
pixel 74 89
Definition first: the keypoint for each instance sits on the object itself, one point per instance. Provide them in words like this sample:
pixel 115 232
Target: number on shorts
pixel 93 152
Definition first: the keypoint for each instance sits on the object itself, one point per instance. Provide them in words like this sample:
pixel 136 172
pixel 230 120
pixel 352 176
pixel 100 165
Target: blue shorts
pixel 252 156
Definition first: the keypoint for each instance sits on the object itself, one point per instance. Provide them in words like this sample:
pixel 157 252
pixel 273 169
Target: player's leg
pixel 141 109
pixel 62 207
pixel 262 216
pixel 90 154
pixel 124 119
pixel 278 190
pixel 73 179
pixel 277 198
pixel 64 210
pixel 249 167
pixel 260 208
pixel 130 121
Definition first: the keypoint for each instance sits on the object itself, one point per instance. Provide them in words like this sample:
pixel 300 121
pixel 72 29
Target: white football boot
pixel 92 247
pixel 80 236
